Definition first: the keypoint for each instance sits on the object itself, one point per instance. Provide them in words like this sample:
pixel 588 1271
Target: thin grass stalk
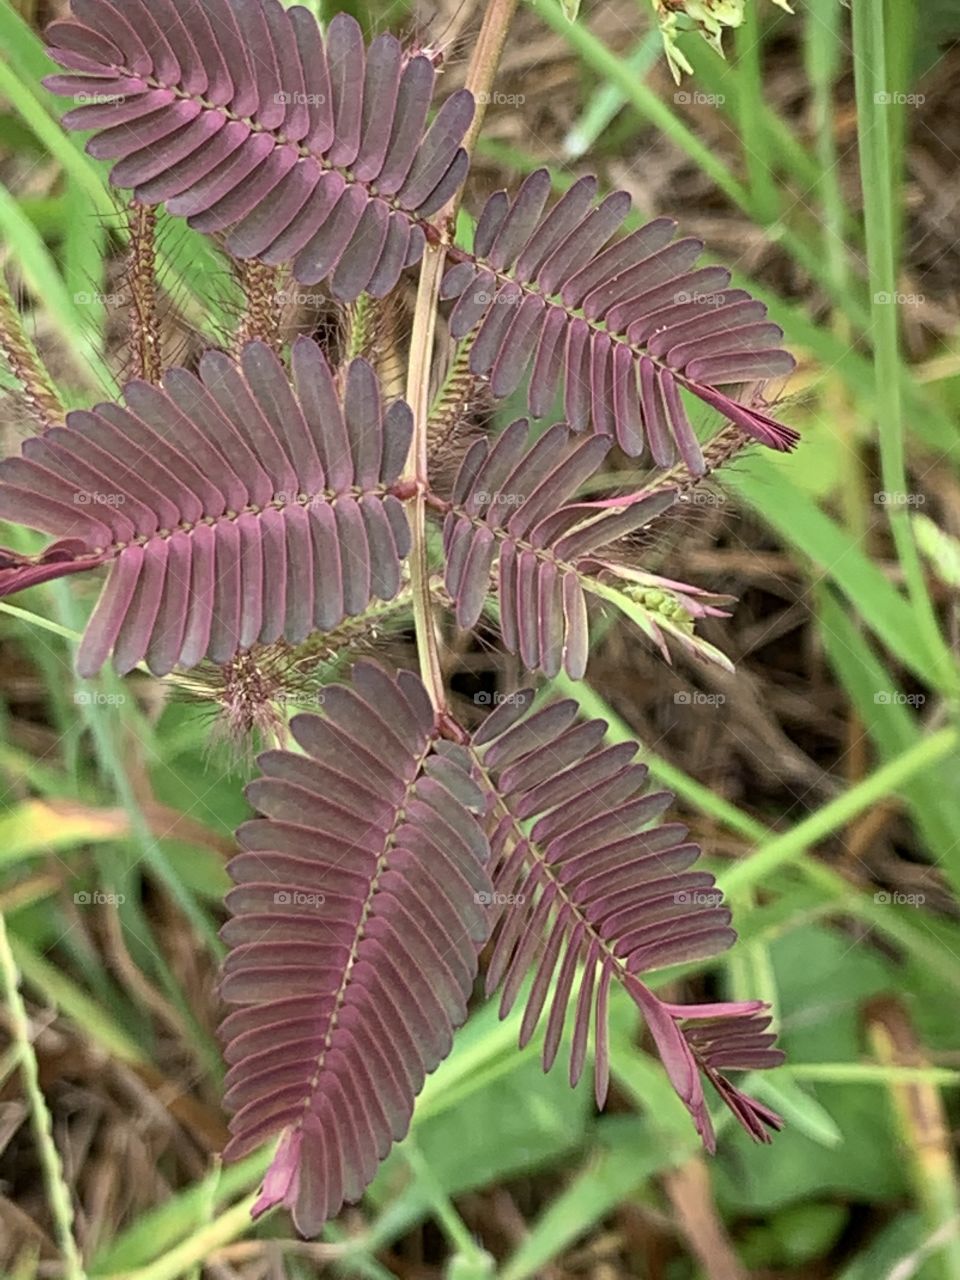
pixel 229 1226
pixel 782 849
pixel 754 138
pixel 822 58
pixel 453 1226
pixel 57 1191
pixel 872 91
pixel 924 1130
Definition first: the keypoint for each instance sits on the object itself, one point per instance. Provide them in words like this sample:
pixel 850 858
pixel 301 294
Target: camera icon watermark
pixel 684 296
pixel 96 698
pixel 698 99
pixel 482 298
pixel 699 898
pixel 297 898
pixel 96 898
pixel 887 498
pixel 703 498
pixel 487 699
pixel 84 299
pixel 893 697
pixel 497 99
pixel 500 899
pixel 884 99
pixel 884 299
pixel 299 99
pixel 299 298
pixel 501 499
pixel 894 898
pixel 99 99
pixel 696 698
pixel 86 498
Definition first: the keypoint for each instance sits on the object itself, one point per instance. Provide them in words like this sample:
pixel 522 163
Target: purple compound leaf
pixel 233 507
pixel 586 874
pixel 360 907
pixel 621 326
pixel 515 508
pixel 243 119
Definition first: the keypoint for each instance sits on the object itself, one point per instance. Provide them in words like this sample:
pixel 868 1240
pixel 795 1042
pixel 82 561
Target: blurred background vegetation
pixel 820 162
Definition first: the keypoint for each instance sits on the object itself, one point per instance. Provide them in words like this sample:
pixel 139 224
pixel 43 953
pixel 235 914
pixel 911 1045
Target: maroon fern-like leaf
pixel 512 509
pixel 587 875
pixel 232 507
pixel 358 915
pixel 621 328
pixel 241 118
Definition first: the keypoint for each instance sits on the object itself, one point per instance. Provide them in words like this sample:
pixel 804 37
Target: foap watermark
pixel 497 99
pixel 702 498
pixel 697 698
pixel 300 99
pixel 94 698
pixel 883 299
pixel 481 298
pixel 702 299
pixel 894 698
pixel 698 99
pixel 284 498
pixel 500 899
pixel 98 299
pixel 501 499
pixel 302 697
pixel 299 298
pixel 297 898
pixel 887 498
pixel 99 99
pixel 894 898
pixel 884 99
pixel 97 898
pixel 699 898
pixel 88 498
pixel 487 699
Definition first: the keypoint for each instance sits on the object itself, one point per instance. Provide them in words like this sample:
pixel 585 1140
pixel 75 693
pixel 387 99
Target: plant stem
pixel 922 1126
pixel 452 1225
pixel 480 76
pixel 58 1194
pixel 229 1226
pixel 142 279
pixel 783 849
pixel 873 133
pixel 757 155
pixel 418 384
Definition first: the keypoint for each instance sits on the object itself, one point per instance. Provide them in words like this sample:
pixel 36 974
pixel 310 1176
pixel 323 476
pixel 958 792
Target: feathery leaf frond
pixel 621 328
pixel 512 507
pixel 243 119
pixel 358 914
pixel 586 874
pixel 233 508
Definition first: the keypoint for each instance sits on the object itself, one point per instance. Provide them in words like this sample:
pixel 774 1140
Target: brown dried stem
pixel 145 348
pixel 262 310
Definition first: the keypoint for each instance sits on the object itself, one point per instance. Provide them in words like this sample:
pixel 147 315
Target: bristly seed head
pixel 250 693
